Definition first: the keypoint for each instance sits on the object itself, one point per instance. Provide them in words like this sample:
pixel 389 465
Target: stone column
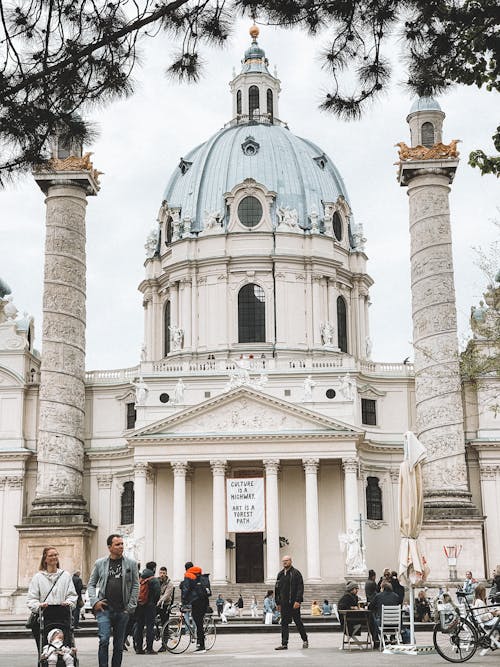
pixel 219 522
pixel 140 514
pixel 439 412
pixel 180 469
pixel 185 309
pixel 490 492
pixel 104 483
pixel 62 390
pixel 12 512
pixel 272 520
pixel 351 506
pixel 312 520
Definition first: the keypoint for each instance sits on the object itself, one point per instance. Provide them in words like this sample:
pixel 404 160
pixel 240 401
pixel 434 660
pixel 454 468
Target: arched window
pixel 127 504
pixel 251 314
pixel 253 100
pixel 169 231
pixel 342 323
pixel 270 103
pixel 238 102
pixel 166 329
pixel 428 134
pixel 373 499
pixel 337 226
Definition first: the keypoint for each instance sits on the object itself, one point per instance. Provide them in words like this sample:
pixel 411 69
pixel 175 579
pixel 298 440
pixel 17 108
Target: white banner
pixel 245 505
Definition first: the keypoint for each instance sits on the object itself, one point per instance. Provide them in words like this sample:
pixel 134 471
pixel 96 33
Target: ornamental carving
pixel 350 466
pixel 15 482
pixel 375 524
pixel 310 466
pixel 438 151
pixel 180 468
pixel 141 469
pixel 488 472
pixel 72 163
pixel 218 468
pixel 104 480
pixel 445 474
pixel 272 466
pixel 394 475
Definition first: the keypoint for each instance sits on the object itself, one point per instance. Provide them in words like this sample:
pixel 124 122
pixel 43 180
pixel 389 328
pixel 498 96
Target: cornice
pixel 16 454
pixel 195 438
pixel 113 454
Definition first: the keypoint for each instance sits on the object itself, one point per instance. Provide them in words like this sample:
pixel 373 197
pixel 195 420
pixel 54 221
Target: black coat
pixel 296 593
pixel 386 598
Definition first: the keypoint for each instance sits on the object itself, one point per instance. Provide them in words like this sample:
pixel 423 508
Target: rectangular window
pixel 131 415
pixel 368 412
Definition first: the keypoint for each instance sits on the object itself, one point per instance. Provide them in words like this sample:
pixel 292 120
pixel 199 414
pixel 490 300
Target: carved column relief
pixel 62 395
pixel 312 519
pixel 437 379
pixel 219 521
pixel 272 519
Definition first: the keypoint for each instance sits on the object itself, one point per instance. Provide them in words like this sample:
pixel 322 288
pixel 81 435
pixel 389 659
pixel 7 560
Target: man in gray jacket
pixel 113 588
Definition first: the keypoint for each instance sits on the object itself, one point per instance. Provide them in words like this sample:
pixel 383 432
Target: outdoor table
pixel 356 617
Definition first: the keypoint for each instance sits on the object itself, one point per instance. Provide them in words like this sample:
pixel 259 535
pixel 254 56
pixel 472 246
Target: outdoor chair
pixel 390 624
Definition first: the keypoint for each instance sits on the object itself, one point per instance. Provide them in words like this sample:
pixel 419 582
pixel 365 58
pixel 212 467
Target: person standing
pixel 469 586
pixel 166 599
pixel 194 593
pixel 371 588
pixel 240 604
pixel 289 594
pixel 149 594
pixel 116 578
pixel 78 584
pixel 254 607
pixel 219 603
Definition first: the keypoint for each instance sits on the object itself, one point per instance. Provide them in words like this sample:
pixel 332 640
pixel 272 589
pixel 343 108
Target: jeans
pixel 76 617
pixel 108 619
pixel 145 616
pixel 198 611
pixel 288 613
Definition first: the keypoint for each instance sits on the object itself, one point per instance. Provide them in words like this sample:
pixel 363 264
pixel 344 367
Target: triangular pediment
pixel 245 410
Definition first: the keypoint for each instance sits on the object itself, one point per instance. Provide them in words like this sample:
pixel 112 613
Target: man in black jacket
pixel 388 598
pixel 146 609
pixel 289 594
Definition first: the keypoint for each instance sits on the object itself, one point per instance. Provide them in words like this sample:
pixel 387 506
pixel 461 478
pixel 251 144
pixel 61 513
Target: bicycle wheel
pixel 210 632
pixel 175 635
pixel 458 645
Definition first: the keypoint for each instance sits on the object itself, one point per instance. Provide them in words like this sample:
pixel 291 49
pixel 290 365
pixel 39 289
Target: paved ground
pixel 244 651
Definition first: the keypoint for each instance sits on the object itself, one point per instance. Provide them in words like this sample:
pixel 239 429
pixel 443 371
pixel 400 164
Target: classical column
pixel 12 513
pixel 141 471
pixel 351 507
pixel 104 483
pixel 62 390
pixel 180 469
pixel 219 522
pixel 490 492
pixel 439 410
pixel 272 520
pixel 185 309
pixel 312 520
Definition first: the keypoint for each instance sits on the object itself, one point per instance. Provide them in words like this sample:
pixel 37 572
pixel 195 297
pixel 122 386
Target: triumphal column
pixel 59 513
pixel 427 169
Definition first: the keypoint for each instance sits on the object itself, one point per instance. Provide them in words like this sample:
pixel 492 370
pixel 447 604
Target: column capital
pixel 218 467
pixel 272 466
pixel 180 468
pixel 311 465
pixel 394 474
pixel 141 469
pixel 3 481
pixel 350 465
pixel 488 471
pixel 104 480
pixel 15 481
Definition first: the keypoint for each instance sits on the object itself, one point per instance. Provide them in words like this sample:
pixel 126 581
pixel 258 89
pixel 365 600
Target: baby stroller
pixel 56 616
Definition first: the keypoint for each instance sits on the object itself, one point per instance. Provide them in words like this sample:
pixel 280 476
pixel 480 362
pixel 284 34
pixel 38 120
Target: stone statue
pixel 327 331
pixel 211 221
pixel 288 218
pixel 369 347
pixel 176 225
pixel 309 385
pixel 328 220
pixel 314 218
pixel 354 556
pixel 143 352
pixel 141 391
pixel 178 398
pixel 485 320
pixel 176 337
pixel 358 238
pixel 347 388
pixel 151 243
pixel 240 376
pixel 4 289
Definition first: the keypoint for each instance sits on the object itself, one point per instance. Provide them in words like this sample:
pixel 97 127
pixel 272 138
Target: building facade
pixel 256 364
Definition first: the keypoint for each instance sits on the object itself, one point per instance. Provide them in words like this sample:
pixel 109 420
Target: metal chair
pixel 390 623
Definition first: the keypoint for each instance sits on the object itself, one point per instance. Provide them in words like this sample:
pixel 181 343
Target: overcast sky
pixel 143 137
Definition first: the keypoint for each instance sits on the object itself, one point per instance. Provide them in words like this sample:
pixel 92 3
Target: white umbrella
pixel 412 564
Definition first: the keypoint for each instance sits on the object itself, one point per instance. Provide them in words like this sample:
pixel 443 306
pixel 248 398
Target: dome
pixel 300 173
pixel 425 104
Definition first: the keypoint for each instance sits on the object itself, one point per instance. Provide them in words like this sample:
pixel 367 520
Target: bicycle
pixel 457 637
pixel 178 632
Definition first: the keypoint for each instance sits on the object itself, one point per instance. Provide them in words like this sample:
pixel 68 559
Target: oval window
pixel 250 211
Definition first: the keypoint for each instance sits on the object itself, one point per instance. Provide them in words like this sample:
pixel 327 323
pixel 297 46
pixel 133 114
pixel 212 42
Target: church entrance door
pixel 249 558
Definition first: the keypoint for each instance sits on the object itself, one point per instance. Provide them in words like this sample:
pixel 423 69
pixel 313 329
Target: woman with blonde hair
pixel 50 585
pixel 315 608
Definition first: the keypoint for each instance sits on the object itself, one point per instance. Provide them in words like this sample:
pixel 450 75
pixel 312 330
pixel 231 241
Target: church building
pixel 256 422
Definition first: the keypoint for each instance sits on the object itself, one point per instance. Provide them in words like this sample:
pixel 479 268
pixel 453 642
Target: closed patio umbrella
pixel 412 564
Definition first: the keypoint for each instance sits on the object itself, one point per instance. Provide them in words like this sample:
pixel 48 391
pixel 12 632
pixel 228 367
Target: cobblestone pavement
pixel 243 651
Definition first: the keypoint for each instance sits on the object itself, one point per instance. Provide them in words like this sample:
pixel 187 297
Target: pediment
pixel 9 378
pixel 245 411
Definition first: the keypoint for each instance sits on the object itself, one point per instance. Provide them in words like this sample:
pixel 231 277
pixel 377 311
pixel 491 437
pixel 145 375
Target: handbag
pixel 80 603
pixel 33 617
pixel 269 618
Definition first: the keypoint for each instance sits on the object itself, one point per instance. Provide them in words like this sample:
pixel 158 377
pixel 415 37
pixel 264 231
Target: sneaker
pixel 485 651
pixel 151 651
pixel 162 649
pixel 200 649
pixel 281 648
pixel 305 644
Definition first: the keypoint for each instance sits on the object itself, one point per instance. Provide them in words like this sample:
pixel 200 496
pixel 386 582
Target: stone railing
pixel 225 366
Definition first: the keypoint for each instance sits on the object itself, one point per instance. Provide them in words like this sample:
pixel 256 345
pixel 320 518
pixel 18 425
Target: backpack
pixel 143 591
pixel 205 581
pixel 201 588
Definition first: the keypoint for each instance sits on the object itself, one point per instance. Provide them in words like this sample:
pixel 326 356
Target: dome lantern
pixel 426 122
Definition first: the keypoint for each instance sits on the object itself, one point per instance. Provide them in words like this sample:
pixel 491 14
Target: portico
pixel 302 461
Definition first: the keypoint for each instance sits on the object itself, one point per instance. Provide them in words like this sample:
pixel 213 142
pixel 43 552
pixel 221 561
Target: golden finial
pixel 254 31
